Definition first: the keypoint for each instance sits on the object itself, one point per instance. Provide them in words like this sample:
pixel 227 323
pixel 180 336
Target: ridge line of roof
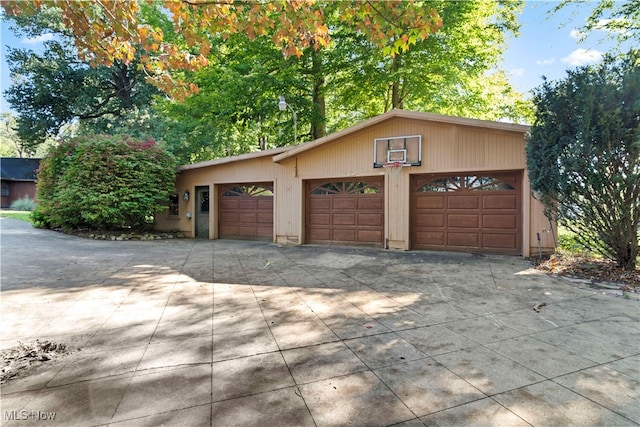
pixel 283 153
pixel 514 127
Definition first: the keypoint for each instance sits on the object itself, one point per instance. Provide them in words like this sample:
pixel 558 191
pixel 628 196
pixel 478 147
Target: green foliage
pixel 103 182
pixel 236 109
pixel 23 204
pixel 53 88
pixel 583 155
pixel 337 86
pixel 620 19
pixel 10 144
pixel 570 243
pixel 452 72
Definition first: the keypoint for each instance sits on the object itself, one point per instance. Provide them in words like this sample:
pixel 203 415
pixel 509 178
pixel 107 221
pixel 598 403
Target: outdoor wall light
pixel 282 105
pixel 186 195
pixel 188 215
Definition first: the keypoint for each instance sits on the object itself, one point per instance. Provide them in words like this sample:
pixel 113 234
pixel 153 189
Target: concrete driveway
pixel 231 333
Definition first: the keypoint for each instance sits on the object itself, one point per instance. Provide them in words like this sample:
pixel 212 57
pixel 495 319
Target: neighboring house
pixel 463 186
pixel 18 179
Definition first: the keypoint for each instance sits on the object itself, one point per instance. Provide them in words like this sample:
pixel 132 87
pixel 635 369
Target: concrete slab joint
pixel 239 333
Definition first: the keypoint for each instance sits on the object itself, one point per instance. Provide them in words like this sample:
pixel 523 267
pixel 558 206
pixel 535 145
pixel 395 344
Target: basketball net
pixel 393 168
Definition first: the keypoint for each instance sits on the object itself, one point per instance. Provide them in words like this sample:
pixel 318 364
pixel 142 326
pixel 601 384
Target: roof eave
pixel 224 160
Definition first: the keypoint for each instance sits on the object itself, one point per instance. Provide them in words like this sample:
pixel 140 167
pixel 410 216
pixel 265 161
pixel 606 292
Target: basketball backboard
pixel 406 150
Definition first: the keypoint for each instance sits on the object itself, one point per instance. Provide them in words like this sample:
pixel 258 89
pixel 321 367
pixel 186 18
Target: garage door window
pixel 469 182
pixel 487 183
pixel 249 190
pixel 346 187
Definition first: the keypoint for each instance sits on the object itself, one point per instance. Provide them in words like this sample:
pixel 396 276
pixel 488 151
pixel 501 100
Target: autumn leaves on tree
pixel 109 31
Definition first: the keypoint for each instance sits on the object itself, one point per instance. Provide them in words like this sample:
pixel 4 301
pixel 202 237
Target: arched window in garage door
pixel 346 187
pixel 249 190
pixel 469 182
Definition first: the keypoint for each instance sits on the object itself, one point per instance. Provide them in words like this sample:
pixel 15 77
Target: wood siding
pixel 261 169
pixel 18 190
pixel 456 146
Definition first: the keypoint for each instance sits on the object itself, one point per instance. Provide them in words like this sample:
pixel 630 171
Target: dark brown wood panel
pixel 345 212
pixel 245 211
pixel 472 212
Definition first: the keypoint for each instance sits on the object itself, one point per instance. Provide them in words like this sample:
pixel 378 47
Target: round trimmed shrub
pixel 103 182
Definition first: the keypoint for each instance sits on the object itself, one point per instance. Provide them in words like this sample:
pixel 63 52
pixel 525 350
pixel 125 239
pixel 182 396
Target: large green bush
pixel 583 155
pixel 103 182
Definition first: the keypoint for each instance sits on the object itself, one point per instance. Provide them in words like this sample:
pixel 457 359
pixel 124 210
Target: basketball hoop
pixel 393 168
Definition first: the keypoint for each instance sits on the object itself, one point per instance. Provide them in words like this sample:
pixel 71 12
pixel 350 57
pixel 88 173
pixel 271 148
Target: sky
pixel 548 45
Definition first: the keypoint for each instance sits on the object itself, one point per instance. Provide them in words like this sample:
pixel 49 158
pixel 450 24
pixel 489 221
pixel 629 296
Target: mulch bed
pixel 590 268
pixel 19 359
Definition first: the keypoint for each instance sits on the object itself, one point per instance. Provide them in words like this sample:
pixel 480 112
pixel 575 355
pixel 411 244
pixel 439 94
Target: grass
pixel 21 215
pixel 568 243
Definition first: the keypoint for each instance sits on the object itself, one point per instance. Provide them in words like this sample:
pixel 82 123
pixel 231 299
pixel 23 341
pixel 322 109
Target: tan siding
pixel 540 224
pixel 397 210
pixel 251 170
pixel 288 203
pixel 454 145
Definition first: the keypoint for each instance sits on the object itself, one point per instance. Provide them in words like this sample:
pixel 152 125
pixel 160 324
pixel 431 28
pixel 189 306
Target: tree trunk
pixel 397 99
pixel 318 117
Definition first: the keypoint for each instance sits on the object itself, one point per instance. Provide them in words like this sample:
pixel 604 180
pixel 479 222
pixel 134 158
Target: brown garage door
pixel 246 211
pixel 345 212
pixel 467 212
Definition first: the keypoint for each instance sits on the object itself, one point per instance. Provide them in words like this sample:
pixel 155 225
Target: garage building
pixel 454 184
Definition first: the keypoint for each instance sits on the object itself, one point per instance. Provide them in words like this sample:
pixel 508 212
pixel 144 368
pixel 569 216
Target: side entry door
pixel 202 212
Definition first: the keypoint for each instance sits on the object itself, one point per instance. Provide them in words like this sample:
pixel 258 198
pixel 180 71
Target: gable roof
pixel 17 169
pixel 237 158
pixel 295 150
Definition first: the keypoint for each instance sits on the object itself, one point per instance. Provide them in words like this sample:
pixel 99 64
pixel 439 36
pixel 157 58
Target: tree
pixel 452 72
pixel 342 83
pixel 620 18
pixel 10 144
pixel 106 32
pixel 583 155
pixel 102 182
pixel 53 89
pixel 236 108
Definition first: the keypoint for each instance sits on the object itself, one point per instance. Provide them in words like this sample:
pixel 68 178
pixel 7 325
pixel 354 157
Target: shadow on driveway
pixel 194 332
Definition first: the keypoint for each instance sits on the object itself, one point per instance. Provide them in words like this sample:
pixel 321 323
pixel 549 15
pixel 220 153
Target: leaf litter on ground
pixel 597 270
pixel 18 359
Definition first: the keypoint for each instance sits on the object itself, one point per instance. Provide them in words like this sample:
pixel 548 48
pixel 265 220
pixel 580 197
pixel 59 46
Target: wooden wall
pixel 19 190
pixel 256 169
pixel 447 147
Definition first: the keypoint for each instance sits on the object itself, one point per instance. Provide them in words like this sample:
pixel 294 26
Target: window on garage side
pixel 174 206
pixel 346 187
